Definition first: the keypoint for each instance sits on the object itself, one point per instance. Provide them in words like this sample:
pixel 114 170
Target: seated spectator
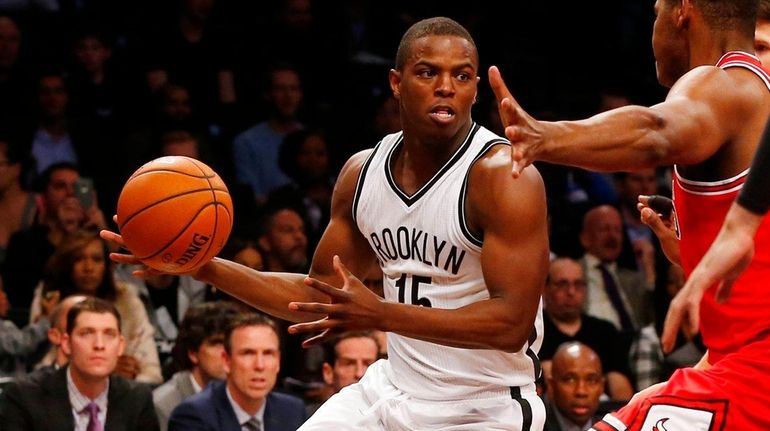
pixel 245 400
pixel 255 151
pixel 59 214
pixel 564 320
pixel 16 344
pixel 17 205
pixel 574 388
pixel 304 157
pixel 346 359
pixel 198 352
pixel 55 358
pixel 85 394
pixel 81 265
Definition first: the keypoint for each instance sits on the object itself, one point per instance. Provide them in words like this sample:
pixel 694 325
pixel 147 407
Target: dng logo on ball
pixel 195 246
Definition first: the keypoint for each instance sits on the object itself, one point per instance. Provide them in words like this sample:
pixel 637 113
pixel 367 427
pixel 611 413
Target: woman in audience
pixel 81 265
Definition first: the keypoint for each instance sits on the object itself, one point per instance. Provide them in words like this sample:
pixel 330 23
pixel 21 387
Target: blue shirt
pixel 255 156
pixel 46 150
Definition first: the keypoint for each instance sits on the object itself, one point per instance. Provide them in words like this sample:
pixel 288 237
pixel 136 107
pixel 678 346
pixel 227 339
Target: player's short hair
pixel 439 26
pixel 250 319
pixel 91 305
pixel 729 14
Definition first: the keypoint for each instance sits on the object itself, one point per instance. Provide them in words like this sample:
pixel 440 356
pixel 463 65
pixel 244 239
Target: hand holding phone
pixel 84 192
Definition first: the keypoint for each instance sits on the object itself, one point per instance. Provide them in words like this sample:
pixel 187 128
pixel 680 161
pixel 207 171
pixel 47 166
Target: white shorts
pixel 375 404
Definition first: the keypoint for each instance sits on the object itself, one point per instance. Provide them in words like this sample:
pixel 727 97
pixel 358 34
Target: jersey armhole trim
pixel 360 182
pixel 463 192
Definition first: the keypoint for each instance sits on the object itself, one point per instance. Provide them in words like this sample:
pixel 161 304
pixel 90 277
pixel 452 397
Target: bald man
pixel 574 388
pixel 616 294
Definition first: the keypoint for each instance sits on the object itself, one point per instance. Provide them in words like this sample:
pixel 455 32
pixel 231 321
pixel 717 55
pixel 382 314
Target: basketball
pixel 175 214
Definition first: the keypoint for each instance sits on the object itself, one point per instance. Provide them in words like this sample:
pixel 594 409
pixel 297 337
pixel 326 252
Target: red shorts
pixel 733 395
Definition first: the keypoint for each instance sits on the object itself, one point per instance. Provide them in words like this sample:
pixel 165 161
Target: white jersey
pixel 430 258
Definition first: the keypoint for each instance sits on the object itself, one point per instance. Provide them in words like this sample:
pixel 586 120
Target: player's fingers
pixel 111 236
pixel 341 269
pixel 326 288
pixel 320 338
pixel 314 326
pixel 125 258
pixel 655 222
pixel 693 320
pixel 313 307
pixel 671 328
pixel 498 85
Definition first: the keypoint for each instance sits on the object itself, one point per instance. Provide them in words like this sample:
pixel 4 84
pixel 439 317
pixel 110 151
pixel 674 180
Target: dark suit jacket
pixel 41 402
pixel 210 410
pixel 551 422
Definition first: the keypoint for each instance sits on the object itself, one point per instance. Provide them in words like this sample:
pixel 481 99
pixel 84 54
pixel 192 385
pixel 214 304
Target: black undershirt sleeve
pixel 755 195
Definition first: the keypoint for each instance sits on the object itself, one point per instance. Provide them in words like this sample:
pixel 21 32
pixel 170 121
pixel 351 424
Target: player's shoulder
pixel 737 83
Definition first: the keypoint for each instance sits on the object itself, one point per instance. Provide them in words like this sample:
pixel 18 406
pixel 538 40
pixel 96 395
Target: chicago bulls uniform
pixel 734 394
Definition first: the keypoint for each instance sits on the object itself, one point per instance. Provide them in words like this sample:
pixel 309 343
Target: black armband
pixel 755 195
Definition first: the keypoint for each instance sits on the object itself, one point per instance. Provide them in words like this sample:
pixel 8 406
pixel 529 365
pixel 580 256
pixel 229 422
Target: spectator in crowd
pixel 55 358
pixel 282 240
pixel 616 294
pixel 246 399
pixel 59 213
pixel 12 75
pixel 81 265
pixel 255 151
pixel 564 320
pixel 346 359
pixel 574 388
pixel 198 349
pixel 85 394
pixel 17 344
pixel 762 33
pixel 17 205
pixel 304 157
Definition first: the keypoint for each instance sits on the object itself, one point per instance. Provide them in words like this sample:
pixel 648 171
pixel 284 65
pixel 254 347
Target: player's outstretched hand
pixel 723 263
pixel 524 132
pixel 657 213
pixel 116 243
pixel 353 307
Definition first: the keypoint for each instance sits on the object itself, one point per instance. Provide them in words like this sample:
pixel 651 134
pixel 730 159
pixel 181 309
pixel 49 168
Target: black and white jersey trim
pixel 409 200
pixel 463 222
pixel 360 182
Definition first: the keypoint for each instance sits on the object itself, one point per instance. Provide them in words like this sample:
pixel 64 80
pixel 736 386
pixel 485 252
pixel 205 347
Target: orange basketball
pixel 175 214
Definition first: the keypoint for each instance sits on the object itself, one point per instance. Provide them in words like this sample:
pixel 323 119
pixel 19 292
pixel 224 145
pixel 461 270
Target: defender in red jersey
pixel 708 126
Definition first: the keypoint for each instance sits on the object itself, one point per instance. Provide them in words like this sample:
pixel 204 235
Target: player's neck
pixel 709 46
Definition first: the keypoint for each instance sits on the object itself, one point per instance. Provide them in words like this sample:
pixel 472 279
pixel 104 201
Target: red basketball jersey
pixel 700 209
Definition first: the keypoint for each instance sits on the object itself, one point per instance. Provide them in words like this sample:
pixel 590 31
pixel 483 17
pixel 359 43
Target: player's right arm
pixel 704 110
pixel 271 292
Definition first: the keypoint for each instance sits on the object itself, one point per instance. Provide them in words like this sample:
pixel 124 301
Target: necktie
pixel 93 417
pixel 253 424
pixel 611 288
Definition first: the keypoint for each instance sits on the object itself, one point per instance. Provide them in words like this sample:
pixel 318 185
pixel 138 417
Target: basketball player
pixel 463 249
pixel 709 126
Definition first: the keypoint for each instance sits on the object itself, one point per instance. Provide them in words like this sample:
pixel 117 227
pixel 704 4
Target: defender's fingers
pixel 125 258
pixel 319 339
pixel 326 288
pixel 109 235
pixel 671 328
pixel 313 307
pixel 724 289
pixel 317 325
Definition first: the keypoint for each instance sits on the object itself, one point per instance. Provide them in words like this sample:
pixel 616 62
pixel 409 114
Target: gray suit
pixel 168 395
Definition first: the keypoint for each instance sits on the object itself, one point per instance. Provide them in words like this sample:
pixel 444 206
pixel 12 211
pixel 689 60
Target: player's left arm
pixel 514 259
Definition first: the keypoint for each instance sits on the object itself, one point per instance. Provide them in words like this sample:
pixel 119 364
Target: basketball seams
pixel 197 222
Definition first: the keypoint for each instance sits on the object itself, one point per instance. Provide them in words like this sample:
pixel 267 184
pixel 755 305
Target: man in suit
pixel 574 387
pixel 198 351
pixel 244 402
pixel 82 396
pixel 616 294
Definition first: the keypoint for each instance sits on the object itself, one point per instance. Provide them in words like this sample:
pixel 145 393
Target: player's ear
pixel 684 12
pixel 394 78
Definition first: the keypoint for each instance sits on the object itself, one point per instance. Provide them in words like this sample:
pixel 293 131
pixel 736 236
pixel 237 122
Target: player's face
pixel 576 385
pixel 437 86
pixel 762 41
pixel 354 355
pixel 94 344
pixel 253 363
pixel 566 290
pixel 89 268
pixel 208 357
pixel 669 43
